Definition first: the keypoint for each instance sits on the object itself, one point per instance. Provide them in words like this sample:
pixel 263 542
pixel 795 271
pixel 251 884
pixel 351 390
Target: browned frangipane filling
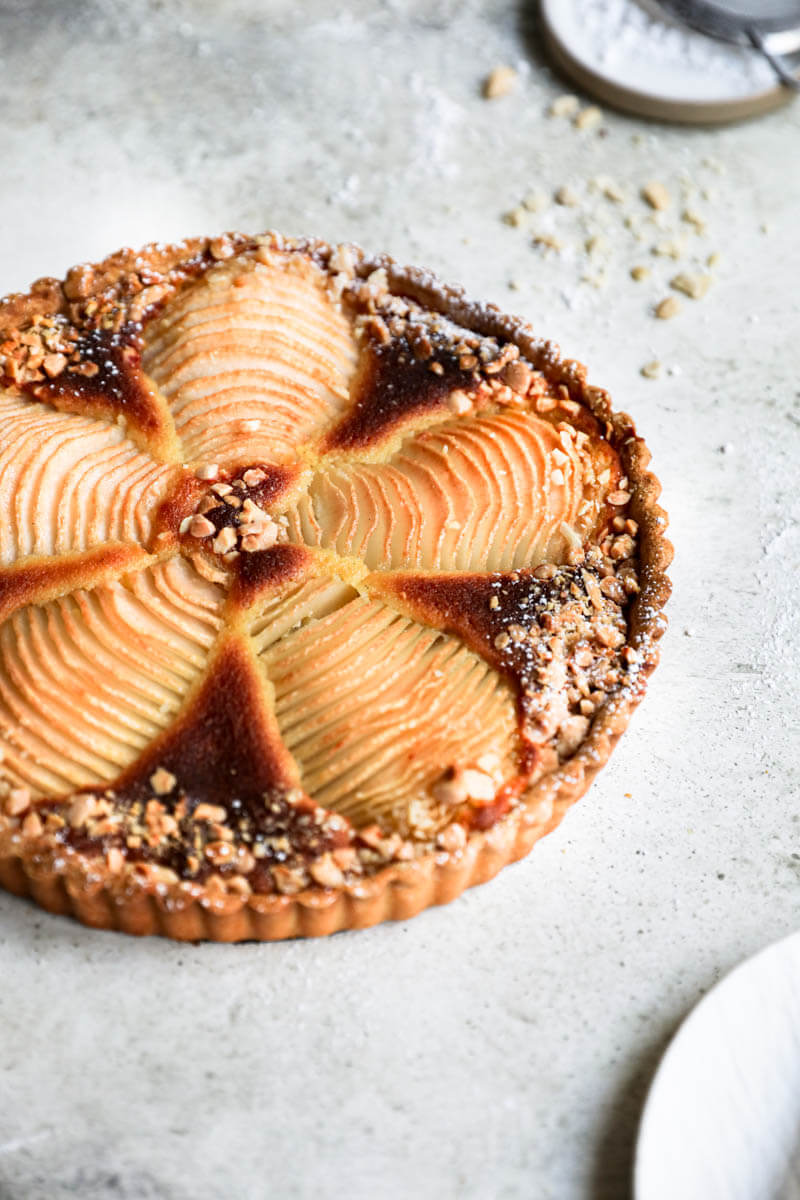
pixel 310 567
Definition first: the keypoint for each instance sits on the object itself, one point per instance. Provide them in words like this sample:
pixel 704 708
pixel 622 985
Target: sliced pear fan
pixel 480 494
pixel 88 680
pixel 374 706
pixel 259 352
pixel 69 483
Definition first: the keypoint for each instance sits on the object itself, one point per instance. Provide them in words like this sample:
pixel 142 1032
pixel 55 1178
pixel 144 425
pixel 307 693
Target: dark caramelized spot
pixel 224 745
pixel 462 604
pixel 217 792
pixel 278 481
pixel 264 570
pixel 180 502
pixel 404 378
pixel 104 378
pixel 511 620
pixel 35 581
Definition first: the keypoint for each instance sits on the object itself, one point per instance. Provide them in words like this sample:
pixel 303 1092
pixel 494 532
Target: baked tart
pixel 324 592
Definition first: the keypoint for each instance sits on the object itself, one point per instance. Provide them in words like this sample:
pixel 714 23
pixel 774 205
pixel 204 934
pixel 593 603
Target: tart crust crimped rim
pixel 61 880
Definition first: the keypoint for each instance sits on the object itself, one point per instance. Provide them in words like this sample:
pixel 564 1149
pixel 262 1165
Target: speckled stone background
pixel 501 1047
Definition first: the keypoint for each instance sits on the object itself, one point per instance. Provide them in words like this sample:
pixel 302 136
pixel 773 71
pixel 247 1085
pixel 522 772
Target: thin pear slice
pixel 86 681
pixel 70 483
pixel 254 355
pixel 375 707
pixel 491 493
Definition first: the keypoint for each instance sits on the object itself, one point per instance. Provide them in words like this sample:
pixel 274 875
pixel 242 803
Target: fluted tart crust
pixel 323 591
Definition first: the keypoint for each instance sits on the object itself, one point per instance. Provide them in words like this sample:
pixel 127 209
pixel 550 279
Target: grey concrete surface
pixel 500 1048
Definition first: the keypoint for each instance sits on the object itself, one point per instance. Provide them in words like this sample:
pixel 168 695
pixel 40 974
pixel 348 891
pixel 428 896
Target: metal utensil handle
pixel 778 64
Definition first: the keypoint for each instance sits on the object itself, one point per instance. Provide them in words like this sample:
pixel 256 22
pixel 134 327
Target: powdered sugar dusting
pixel 641 47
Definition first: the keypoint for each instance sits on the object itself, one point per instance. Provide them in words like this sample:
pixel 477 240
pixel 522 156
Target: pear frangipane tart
pixel 323 592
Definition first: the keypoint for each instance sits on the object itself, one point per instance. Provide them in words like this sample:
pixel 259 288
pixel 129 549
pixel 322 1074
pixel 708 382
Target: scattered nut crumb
pixel 17 801
pixel 639 273
pixel 668 308
pixel 694 286
pixel 225 540
pixel 499 82
pixel 694 219
pixel 548 241
pixel 478 785
pixel 115 860
pixel 588 118
pixel 564 106
pixel 201 527
pixel 656 195
pixel 597 244
pixel 210 812
pixel 207 471
pixel 670 248
pixel 517 216
pixel 567 197
pixel 651 370
pixel 32 825
pixel 535 201
pixel 53 364
pixel 713 259
pixel 80 810
pixel 452 838
pixel 459 403
pixel 254 476
pixel 325 872
pixel 612 192
pixel 162 781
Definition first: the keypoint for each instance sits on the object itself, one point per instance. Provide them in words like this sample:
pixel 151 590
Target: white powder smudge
pixel 633 39
pixel 436 126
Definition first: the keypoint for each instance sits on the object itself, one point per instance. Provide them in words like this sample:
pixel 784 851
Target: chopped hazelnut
pixel 325 872
pixel 17 801
pixel 201 527
pixel 499 82
pixel 693 286
pixel 656 195
pixel 668 308
pixel 564 106
pixel 162 781
pixel 452 838
pixel 478 785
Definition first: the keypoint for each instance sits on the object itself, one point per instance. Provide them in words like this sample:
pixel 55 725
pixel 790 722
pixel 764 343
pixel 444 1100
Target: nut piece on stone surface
pixel 588 118
pixel 499 82
pixel 668 308
pixel 564 106
pixel 693 286
pixel 656 195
